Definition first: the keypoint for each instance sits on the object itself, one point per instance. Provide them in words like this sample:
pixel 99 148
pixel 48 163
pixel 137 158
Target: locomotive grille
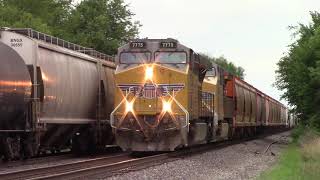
pixel 149 91
pixel 207 104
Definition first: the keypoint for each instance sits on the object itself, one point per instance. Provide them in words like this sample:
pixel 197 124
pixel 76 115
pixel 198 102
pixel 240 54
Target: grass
pixel 300 161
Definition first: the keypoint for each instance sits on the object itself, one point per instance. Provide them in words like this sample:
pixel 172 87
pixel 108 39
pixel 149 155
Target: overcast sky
pixel 251 33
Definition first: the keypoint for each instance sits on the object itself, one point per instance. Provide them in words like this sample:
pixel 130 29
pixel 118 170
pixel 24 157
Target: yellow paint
pixel 211 85
pixel 160 75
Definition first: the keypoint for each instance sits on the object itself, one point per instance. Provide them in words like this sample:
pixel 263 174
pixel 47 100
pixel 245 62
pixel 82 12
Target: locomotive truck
pixel 53 94
pixel 167 96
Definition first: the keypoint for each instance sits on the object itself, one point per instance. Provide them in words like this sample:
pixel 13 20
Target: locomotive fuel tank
pixel 15 89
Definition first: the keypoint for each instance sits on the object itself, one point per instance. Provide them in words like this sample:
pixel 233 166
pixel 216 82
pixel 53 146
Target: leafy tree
pixel 11 16
pixel 102 24
pixel 51 11
pixel 227 65
pixel 299 72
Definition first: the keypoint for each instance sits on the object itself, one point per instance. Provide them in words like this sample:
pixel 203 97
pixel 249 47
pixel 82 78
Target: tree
pixel 227 65
pixel 102 24
pixel 45 15
pixel 11 16
pixel 298 72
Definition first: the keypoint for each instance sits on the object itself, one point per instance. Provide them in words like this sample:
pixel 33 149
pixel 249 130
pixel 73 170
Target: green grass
pixel 300 161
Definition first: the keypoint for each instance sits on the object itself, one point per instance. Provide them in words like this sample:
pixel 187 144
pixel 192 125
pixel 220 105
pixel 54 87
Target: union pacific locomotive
pixel 160 95
pixel 167 96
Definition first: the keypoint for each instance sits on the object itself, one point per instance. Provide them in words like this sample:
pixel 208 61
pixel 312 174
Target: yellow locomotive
pixel 167 96
pixel 158 96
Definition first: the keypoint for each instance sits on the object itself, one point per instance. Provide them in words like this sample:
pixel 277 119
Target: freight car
pixel 167 96
pixel 53 94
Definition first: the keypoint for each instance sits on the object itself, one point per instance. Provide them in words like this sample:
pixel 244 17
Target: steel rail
pixel 42 172
pixel 110 169
pixel 108 166
pixel 37 160
pixel 107 169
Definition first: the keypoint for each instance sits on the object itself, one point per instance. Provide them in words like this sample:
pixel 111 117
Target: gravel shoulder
pixel 241 161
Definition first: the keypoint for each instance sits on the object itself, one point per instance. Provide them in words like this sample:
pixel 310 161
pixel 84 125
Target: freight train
pixel 167 96
pixel 159 95
pixel 53 95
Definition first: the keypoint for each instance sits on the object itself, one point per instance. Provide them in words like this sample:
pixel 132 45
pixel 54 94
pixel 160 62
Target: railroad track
pixel 112 164
pixel 36 160
pixel 44 158
pixel 105 165
pixel 62 170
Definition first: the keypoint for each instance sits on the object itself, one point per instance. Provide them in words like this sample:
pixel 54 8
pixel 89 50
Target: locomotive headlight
pixel 149 73
pixel 166 106
pixel 129 106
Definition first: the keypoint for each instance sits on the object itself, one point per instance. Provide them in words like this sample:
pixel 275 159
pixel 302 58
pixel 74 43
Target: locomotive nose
pixel 15 89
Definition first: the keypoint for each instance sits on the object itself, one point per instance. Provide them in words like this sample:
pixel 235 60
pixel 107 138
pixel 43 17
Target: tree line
pixel 100 24
pixel 103 25
pixel 226 65
pixel 298 72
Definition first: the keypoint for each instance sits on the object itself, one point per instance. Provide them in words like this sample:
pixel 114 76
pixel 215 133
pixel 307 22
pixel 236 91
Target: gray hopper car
pixel 53 95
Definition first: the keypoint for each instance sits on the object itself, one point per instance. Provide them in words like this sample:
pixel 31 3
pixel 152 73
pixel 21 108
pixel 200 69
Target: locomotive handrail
pixel 112 114
pixel 115 110
pixel 60 42
pixel 185 111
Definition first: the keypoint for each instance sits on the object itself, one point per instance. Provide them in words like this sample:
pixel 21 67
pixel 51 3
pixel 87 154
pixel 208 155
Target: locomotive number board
pixel 168 45
pixel 137 45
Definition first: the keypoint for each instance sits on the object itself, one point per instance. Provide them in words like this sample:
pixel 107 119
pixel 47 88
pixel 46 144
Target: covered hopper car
pixel 53 94
pixel 167 96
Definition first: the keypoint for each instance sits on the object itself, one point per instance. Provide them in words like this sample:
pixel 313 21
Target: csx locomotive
pixel 167 96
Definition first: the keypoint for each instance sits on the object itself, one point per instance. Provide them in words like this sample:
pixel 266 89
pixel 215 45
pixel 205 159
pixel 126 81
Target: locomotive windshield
pixel 134 57
pixel 171 57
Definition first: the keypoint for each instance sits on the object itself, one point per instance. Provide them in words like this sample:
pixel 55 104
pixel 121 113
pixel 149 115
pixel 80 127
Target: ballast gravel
pixel 241 161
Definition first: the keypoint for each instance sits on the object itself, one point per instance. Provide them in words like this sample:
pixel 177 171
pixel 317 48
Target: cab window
pixel 171 57
pixel 134 57
pixel 211 72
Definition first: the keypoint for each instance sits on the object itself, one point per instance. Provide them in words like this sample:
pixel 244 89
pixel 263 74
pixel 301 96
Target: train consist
pixel 167 96
pixel 159 95
pixel 53 94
